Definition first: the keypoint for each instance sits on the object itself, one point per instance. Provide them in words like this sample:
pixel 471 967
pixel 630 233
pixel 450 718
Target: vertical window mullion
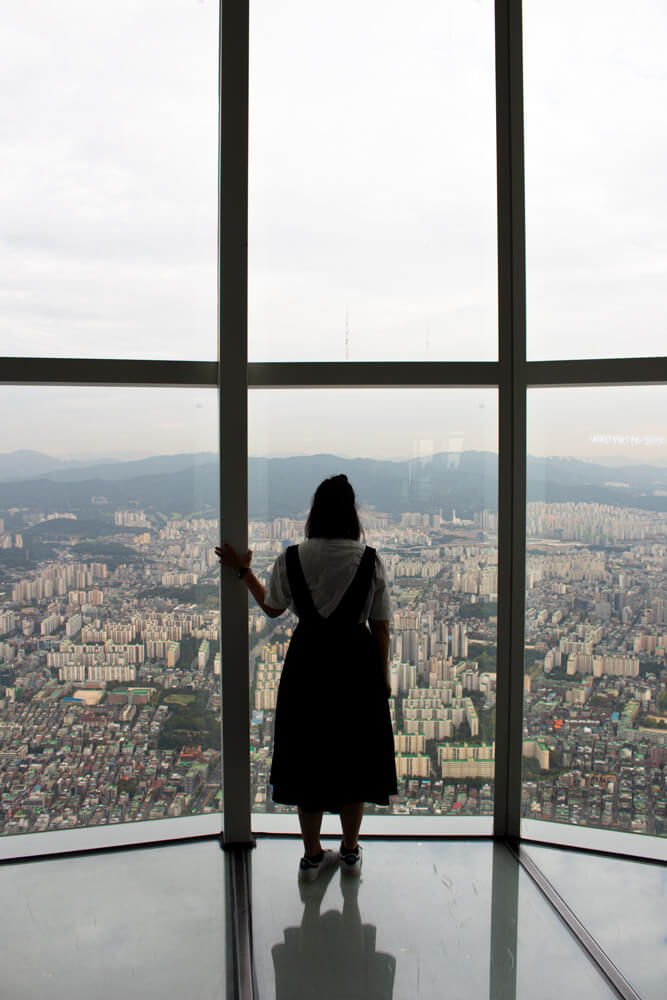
pixel 512 417
pixel 233 410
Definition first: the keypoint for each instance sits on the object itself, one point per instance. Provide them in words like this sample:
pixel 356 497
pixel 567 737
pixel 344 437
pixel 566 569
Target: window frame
pixel 511 374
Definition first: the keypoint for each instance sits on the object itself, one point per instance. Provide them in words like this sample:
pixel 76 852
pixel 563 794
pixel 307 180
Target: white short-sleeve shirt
pixel 329 565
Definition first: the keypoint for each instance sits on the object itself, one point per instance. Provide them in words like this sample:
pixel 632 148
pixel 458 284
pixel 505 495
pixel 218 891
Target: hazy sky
pixel 596 159
pixel 606 424
pixel 108 159
pixel 372 211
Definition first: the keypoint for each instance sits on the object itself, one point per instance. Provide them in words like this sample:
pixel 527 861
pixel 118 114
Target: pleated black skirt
pixel 333 739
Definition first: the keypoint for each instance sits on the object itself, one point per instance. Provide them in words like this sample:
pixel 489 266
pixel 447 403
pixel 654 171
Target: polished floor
pixel 448 919
pixel 622 903
pixel 146 923
pixel 456 920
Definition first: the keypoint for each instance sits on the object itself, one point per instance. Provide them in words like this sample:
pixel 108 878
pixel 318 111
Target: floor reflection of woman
pixel 332 955
pixel 333 744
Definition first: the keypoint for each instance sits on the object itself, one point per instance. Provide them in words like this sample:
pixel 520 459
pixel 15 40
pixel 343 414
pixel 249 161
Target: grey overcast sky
pixel 372 214
pixel 605 424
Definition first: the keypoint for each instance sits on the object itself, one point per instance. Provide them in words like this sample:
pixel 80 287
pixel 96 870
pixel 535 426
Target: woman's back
pixel 329 565
pixel 334 746
pixel 332 684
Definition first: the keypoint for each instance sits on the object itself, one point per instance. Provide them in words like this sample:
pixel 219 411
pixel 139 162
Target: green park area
pixel 480 610
pixel 190 723
pixel 178 699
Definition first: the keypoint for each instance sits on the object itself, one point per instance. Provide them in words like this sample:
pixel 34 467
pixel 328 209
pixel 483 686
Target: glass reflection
pixel 433 918
pixel 333 953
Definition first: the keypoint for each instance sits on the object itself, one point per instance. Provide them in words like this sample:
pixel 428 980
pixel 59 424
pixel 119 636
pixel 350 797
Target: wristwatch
pixel 242 572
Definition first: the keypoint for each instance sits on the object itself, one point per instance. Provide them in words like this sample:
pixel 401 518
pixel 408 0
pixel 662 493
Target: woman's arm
pixel 229 557
pixel 380 630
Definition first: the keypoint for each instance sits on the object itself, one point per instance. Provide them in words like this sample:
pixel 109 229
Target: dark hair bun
pixel 333 513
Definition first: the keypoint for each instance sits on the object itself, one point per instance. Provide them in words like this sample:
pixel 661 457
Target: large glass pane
pixel 372 181
pixel 108 179
pixel 595 715
pixel 109 616
pixel 423 464
pixel 596 156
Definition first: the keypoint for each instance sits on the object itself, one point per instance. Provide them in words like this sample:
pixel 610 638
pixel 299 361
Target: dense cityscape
pixel 110 664
pixel 110 707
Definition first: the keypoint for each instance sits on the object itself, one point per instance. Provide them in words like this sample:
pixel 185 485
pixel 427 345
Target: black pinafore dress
pixel 333 740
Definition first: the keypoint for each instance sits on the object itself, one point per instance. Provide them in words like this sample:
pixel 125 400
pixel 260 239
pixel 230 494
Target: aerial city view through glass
pixel 433 520
pixel 109 632
pixel 109 663
pixel 366 243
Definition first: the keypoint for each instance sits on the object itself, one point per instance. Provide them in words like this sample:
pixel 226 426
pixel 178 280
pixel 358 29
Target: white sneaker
pixel 309 870
pixel 350 861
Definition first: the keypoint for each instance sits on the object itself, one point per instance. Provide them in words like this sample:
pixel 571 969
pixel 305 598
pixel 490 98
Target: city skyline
pixel 105 632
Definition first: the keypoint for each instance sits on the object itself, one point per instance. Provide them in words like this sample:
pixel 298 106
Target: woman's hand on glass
pixel 229 557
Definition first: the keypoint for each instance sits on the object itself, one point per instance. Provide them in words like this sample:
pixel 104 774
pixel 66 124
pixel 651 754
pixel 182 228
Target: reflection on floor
pixel 335 949
pixel 448 919
pixel 454 919
pixel 137 925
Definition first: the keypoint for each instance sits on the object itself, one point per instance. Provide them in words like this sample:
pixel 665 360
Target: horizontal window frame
pixel 107 371
pixel 334 375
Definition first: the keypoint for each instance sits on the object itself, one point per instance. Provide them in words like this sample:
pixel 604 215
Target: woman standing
pixel 333 743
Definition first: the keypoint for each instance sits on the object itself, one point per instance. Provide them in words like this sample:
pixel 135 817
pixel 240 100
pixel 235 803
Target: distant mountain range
pixel 282 487
pixel 24 464
pixel 21 465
